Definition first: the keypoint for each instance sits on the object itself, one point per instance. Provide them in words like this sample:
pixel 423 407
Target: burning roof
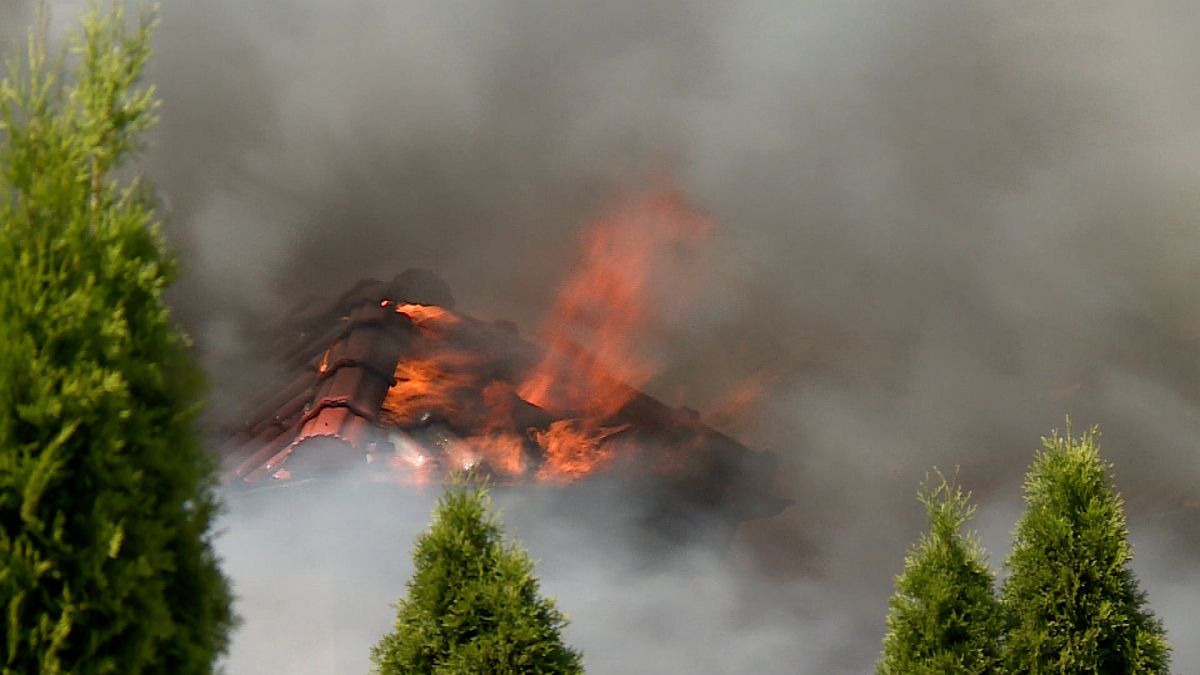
pixel 390 375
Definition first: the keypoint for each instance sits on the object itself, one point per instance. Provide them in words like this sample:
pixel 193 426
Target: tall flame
pixel 590 369
pixel 606 306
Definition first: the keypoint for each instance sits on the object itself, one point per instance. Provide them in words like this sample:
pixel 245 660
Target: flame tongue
pixel 575 448
pixel 561 421
pixel 606 307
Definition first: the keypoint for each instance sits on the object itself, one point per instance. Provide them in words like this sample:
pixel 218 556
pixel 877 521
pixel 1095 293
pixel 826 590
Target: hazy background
pixel 943 225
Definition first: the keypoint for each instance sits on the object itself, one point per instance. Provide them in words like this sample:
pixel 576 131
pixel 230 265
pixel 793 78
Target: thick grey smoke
pixel 945 225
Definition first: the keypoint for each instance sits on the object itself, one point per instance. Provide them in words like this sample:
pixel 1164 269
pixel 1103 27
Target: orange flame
pixel 606 305
pixel 588 373
pixel 575 448
pixel 433 384
pixel 498 442
pixel 735 405
pixel 432 314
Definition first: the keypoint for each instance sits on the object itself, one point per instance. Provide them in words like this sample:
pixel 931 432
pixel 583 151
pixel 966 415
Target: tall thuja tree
pixel 106 497
pixel 473 604
pixel 1072 598
pixel 944 616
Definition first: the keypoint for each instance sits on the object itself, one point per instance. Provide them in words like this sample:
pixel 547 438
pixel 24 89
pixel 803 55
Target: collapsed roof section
pixel 390 376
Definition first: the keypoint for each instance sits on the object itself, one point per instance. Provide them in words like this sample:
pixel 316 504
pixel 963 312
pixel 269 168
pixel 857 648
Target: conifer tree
pixel 473 604
pixel 1072 599
pixel 105 493
pixel 944 617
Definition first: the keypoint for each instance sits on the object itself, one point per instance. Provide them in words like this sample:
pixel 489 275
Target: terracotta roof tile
pixel 343 380
pixel 306 346
pixel 330 439
pixel 288 403
pixel 338 422
pixel 371 346
pixel 360 389
pixel 322 455
pixel 261 448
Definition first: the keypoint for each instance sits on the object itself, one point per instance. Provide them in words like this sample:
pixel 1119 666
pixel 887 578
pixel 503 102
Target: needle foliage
pixel 105 493
pixel 944 617
pixel 1073 601
pixel 473 604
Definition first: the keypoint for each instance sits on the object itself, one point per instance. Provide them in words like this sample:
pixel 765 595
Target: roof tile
pixel 329 439
pixel 338 422
pixel 360 389
pixel 371 346
pixel 262 448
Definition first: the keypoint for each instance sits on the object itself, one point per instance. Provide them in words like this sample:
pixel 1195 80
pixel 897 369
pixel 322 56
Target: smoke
pixel 658 609
pixel 14 18
pixel 943 225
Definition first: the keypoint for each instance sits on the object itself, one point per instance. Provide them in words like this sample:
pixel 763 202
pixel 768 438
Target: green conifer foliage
pixel 944 616
pixel 473 604
pixel 1072 599
pixel 105 494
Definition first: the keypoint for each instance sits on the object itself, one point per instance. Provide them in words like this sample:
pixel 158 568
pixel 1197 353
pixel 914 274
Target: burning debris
pixel 392 375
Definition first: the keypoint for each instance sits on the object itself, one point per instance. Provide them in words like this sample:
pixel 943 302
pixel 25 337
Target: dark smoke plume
pixel 943 225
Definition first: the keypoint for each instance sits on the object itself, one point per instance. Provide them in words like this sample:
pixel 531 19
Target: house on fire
pixel 390 378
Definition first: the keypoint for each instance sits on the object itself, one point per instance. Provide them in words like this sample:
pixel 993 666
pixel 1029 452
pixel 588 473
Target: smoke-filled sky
pixel 941 226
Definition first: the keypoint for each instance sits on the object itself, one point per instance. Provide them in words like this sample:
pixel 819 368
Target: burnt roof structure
pixel 344 405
